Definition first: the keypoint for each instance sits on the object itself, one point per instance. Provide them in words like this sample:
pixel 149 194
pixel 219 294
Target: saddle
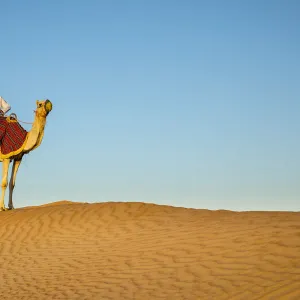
pixel 12 135
pixel 12 116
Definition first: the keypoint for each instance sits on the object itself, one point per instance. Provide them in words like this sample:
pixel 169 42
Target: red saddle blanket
pixel 12 136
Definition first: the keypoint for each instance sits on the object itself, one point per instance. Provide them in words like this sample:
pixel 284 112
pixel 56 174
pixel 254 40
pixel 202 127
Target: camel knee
pixel 4 183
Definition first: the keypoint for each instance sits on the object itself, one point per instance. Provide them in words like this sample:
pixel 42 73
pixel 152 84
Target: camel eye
pixel 40 105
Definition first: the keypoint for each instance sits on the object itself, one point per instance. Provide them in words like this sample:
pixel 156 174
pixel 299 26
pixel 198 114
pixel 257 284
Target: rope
pixel 15 117
pixel 24 122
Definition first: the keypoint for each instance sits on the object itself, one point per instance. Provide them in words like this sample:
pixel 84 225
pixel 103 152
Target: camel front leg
pixel 5 167
pixel 12 182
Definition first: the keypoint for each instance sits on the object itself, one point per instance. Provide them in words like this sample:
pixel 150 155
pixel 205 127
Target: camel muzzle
pixel 48 106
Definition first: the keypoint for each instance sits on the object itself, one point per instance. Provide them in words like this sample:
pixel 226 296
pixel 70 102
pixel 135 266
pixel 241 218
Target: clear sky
pixel 184 103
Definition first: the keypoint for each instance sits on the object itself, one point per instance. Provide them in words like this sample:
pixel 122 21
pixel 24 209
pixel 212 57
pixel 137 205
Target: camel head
pixel 43 108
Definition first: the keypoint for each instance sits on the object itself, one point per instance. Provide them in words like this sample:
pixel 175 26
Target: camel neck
pixel 35 135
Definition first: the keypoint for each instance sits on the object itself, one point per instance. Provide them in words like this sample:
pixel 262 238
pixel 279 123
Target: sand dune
pixel 145 251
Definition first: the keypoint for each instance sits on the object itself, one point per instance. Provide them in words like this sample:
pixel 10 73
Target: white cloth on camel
pixel 4 106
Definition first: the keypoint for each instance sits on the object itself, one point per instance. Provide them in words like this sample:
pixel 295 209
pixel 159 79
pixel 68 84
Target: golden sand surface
pixel 134 250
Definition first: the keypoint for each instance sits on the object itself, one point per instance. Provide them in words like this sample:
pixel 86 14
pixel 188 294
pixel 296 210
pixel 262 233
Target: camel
pixel 33 140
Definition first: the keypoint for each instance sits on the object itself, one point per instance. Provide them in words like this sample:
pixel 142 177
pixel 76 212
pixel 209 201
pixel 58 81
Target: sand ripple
pixel 146 251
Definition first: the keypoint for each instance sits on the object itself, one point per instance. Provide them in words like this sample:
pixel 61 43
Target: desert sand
pixel 144 251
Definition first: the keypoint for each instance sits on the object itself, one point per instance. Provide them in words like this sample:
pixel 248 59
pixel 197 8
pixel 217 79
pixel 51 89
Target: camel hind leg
pixel 5 167
pixel 12 182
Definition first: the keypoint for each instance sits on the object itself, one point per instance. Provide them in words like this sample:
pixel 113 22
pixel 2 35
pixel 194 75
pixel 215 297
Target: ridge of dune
pixel 55 203
pixel 134 250
pixel 61 202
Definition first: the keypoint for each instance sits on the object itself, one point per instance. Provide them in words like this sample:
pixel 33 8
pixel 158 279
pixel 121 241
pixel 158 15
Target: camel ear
pixel 37 102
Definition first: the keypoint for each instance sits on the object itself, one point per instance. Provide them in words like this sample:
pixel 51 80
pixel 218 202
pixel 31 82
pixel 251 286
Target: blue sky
pixel 184 103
